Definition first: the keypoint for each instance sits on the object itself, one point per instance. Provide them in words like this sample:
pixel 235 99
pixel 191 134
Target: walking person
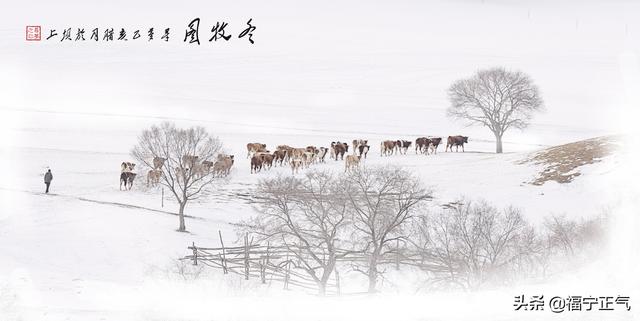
pixel 47 179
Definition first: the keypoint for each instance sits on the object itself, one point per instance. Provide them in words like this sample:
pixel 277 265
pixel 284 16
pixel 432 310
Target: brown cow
pixel 421 144
pixel 457 141
pixel 288 151
pixel 252 148
pixel 158 162
pixel 338 148
pixel 222 166
pixel 351 162
pixel 153 177
pixel 265 155
pixel 279 156
pixel 197 170
pixel 267 160
pixel 433 146
pixel 190 161
pixel 284 147
pixel 296 164
pixel 295 153
pixel 256 163
pixel 206 166
pixel 386 147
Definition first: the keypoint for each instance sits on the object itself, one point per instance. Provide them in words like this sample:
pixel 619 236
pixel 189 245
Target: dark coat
pixel 48 177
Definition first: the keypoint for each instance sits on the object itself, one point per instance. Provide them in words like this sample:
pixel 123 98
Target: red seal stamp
pixel 33 33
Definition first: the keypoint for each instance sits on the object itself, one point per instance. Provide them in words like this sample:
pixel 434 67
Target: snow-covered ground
pixel 89 250
pixel 318 73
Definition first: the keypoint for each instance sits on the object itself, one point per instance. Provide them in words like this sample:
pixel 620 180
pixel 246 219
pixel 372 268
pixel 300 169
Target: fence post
pixel 397 255
pixel 337 280
pixel 195 253
pixel 262 278
pixel 246 256
pixel 263 268
pixel 162 199
pixel 286 273
pixel 224 257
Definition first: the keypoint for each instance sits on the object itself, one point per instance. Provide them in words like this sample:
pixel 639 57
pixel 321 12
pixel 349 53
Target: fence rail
pixel 282 263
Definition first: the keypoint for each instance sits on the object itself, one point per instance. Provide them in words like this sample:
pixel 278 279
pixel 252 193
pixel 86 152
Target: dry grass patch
pixel 561 162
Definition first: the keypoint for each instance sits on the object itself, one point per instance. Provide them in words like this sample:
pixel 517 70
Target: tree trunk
pixel 498 144
pixel 322 288
pixel 182 227
pixel 373 278
pixel 373 271
pixel 326 274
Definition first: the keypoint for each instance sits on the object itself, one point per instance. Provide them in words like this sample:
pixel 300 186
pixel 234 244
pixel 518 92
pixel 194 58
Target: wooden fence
pixel 281 263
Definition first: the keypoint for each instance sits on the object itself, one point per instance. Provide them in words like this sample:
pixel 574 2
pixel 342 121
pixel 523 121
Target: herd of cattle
pixel 285 155
pixel 303 157
pixel 298 158
pixel 190 166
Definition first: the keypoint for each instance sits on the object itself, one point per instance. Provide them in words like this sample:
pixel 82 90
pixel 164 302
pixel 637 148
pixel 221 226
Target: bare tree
pixel 181 152
pixel 562 234
pixel 570 238
pixel 383 200
pixel 470 243
pixel 434 240
pixel 497 99
pixel 308 216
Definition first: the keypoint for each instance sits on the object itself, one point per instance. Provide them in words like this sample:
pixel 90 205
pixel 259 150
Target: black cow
pixel 363 150
pixel 126 178
pixel 402 146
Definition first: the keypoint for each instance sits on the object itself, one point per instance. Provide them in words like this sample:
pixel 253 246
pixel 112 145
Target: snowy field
pixel 318 73
pixel 91 251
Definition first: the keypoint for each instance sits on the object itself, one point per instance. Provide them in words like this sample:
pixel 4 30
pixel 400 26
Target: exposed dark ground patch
pixel 560 162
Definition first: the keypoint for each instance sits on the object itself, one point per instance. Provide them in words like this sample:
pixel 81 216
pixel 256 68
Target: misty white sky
pixel 383 66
